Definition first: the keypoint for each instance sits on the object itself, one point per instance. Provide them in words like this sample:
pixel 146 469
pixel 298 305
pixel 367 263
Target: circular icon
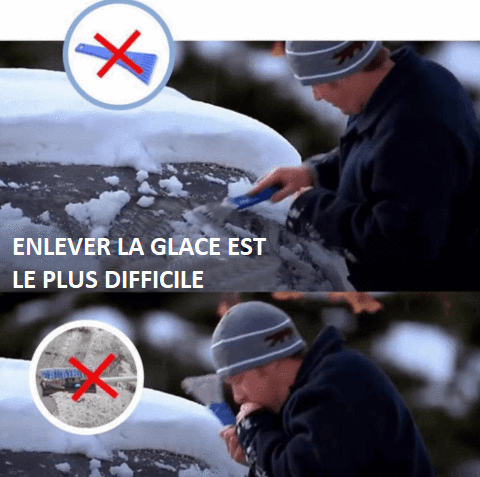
pixel 86 377
pixel 118 54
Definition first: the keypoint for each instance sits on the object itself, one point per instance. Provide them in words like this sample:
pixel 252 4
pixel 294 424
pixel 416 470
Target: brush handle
pixel 119 379
pixel 244 201
pixel 98 51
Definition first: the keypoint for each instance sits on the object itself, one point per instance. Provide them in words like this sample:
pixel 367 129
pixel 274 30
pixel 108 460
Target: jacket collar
pixel 328 341
pixel 387 92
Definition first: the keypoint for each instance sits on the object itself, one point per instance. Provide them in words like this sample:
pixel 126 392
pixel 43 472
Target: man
pixel 326 412
pixel 400 195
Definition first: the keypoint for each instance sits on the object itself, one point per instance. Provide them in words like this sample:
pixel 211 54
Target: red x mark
pixel 93 377
pixel 118 54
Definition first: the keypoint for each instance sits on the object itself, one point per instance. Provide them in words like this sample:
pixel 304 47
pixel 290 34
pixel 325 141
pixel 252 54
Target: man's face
pixel 340 94
pixel 257 385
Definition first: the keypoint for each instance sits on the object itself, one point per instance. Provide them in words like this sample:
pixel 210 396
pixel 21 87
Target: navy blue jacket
pixel 343 417
pixel 401 193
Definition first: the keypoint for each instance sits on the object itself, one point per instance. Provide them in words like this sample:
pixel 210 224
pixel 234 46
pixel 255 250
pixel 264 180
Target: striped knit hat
pixel 315 62
pixel 253 334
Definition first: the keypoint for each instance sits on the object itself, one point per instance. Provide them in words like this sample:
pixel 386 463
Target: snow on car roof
pixel 161 421
pixel 46 120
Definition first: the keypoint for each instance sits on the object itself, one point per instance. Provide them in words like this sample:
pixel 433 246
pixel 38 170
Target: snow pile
pixel 112 180
pixel 98 214
pixel 45 120
pixel 121 470
pixel 173 186
pixel 64 467
pixel 145 201
pixel 14 224
pixel 12 219
pixel 161 421
pixel 142 176
pixel 145 188
pixel 45 216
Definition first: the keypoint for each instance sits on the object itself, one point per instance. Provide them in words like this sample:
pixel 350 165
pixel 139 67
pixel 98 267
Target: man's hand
pixel 234 448
pixel 230 437
pixel 291 179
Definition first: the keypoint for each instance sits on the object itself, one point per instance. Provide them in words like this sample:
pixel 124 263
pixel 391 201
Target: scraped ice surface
pixel 161 421
pixel 194 471
pixel 98 214
pixel 44 119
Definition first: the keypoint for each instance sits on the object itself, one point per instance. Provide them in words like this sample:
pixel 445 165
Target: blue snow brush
pixel 146 61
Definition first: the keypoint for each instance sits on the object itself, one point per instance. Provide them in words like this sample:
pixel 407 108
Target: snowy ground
pixel 71 169
pixel 161 437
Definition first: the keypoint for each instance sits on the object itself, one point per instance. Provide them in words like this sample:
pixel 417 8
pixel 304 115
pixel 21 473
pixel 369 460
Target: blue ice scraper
pixel 208 389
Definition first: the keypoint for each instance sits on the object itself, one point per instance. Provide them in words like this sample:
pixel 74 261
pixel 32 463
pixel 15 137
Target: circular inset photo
pixel 86 377
pixel 118 54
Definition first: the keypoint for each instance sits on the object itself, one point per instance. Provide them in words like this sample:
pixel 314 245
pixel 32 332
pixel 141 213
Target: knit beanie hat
pixel 315 62
pixel 253 334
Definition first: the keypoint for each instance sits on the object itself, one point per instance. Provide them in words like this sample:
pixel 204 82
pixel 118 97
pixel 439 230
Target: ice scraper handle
pixel 244 201
pixel 223 412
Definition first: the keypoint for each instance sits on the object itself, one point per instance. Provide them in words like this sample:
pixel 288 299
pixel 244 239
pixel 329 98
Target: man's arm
pixel 347 420
pixel 325 169
pixel 408 183
pixel 322 429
